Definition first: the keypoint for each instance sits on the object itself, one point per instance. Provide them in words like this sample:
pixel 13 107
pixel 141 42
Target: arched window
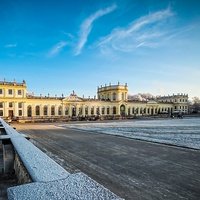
pixel 114 96
pixel 29 111
pixel 133 110
pixel 60 110
pixel 52 110
pixel 141 111
pixel 37 110
pixel 114 110
pixel 45 110
pixel 144 110
pixel 92 111
pixel 103 111
pixel 108 111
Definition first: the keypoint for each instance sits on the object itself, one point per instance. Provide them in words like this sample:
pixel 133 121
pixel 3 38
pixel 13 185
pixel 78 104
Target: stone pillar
pixel 41 110
pixel 89 110
pixel 49 110
pixel 70 110
pixel 24 106
pixel 5 113
pixel 77 110
pixel 16 109
pixel 63 109
pixel 56 110
pixel 33 110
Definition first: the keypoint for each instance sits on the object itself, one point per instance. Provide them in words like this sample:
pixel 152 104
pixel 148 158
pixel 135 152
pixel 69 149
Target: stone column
pixel 77 110
pixel 5 113
pixel 41 110
pixel 89 110
pixel 70 110
pixel 49 110
pixel 16 109
pixel 56 110
pixel 33 110
pixel 24 106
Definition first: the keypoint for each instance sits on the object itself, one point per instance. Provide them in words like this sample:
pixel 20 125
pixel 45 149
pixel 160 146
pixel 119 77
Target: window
pixel 10 91
pixel 19 92
pixel 108 111
pixel 29 111
pixel 20 112
pixel 19 105
pixel 1 112
pixel 10 104
pixel 1 105
pixel 92 111
pixel 60 110
pixel 1 91
pixel 114 96
pixel 103 111
pixel 133 110
pixel 115 110
pixel 53 110
pixel 37 110
pixel 45 110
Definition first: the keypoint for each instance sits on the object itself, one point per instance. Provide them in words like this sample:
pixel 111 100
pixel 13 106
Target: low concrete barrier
pixel 48 179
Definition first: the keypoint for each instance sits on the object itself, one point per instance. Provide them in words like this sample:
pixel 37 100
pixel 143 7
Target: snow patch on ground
pixel 180 132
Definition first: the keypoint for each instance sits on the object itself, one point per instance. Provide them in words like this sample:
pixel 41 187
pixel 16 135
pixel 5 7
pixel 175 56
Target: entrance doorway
pixel 74 111
pixel 122 110
pixel 10 113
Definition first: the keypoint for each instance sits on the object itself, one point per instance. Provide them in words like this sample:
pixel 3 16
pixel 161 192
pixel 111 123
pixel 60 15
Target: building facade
pixel 111 102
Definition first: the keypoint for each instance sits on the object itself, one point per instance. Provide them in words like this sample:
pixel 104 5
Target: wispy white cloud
pixel 86 26
pixel 146 31
pixel 10 45
pixel 57 49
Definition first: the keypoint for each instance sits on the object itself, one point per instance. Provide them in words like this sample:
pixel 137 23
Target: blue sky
pixel 65 45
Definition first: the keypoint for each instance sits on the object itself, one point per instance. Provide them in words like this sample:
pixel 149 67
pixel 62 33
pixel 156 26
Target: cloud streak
pixel 57 49
pixel 10 45
pixel 143 32
pixel 87 24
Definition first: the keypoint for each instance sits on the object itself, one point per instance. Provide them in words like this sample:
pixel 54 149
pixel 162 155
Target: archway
pixel 29 111
pixel 73 111
pixel 122 110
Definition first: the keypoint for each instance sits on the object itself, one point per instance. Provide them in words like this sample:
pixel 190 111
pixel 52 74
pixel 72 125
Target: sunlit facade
pixel 111 103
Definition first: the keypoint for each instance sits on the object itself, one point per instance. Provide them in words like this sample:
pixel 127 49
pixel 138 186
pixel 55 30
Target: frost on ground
pixel 180 132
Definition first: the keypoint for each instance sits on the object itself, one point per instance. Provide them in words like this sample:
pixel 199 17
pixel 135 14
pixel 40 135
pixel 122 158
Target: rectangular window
pixel 1 105
pixel 20 112
pixel 19 92
pixel 10 91
pixel 1 91
pixel 20 105
pixel 1 112
pixel 10 105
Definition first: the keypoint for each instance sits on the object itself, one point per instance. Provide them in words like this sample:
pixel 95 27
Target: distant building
pixel 111 102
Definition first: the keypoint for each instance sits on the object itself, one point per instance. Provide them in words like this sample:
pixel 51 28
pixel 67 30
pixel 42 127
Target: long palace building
pixel 112 102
